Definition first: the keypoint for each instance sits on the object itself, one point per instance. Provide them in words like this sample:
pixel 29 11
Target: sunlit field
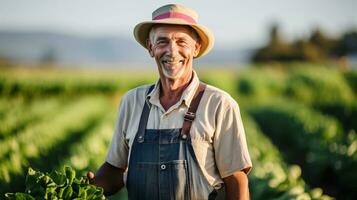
pixel 300 123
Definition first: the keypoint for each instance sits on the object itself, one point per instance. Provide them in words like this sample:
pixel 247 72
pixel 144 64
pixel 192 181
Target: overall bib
pixel 163 164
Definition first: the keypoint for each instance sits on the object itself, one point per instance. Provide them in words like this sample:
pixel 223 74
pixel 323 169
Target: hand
pixel 108 177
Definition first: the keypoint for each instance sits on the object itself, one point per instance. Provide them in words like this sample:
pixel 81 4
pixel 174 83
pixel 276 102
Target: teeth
pixel 172 62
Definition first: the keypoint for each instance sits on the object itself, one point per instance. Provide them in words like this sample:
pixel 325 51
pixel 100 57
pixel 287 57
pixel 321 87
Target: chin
pixel 171 77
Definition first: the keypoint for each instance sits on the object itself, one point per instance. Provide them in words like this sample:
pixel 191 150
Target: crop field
pixel 300 123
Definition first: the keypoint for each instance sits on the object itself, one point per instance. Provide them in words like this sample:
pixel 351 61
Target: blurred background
pixel 99 33
pixel 291 66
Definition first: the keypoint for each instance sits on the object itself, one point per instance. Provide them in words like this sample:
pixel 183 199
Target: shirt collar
pixel 154 96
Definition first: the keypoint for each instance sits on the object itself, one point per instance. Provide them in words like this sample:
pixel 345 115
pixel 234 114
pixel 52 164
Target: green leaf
pixel 44 181
pixel 57 185
pixel 67 192
pixel 95 193
pixel 31 178
pixel 51 193
pixel 32 183
pixel 18 196
pixel 58 178
pixel 91 192
pixel 83 191
pixel 70 174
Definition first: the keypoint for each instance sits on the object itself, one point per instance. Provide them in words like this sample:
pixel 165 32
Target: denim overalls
pixel 163 165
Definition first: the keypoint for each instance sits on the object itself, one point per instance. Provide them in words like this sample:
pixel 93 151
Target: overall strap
pixel 144 118
pixel 191 113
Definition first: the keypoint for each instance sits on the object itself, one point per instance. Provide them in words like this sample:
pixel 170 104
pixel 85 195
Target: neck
pixel 171 90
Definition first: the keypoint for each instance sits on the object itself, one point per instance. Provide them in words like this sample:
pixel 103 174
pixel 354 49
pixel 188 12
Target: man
pixel 179 138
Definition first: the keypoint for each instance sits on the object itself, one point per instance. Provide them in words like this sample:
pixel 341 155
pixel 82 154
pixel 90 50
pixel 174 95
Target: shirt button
pixel 184 136
pixel 163 167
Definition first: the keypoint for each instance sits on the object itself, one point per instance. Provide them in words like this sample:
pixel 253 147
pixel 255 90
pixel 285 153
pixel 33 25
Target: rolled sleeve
pixel 231 151
pixel 119 148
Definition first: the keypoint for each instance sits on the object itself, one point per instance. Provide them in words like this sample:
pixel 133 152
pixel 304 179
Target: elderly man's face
pixel 173 48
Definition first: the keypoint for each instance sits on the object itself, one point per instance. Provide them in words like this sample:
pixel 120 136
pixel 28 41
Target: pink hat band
pixel 176 15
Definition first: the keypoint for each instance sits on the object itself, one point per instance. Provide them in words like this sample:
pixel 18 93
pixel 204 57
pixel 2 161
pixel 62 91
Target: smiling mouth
pixel 172 62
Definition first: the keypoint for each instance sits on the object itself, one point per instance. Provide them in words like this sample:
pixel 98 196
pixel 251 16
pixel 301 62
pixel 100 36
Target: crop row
pixel 37 83
pixel 315 142
pixel 37 144
pixel 8 103
pixel 21 115
pixel 327 90
pixel 271 177
pixel 89 153
pixel 33 88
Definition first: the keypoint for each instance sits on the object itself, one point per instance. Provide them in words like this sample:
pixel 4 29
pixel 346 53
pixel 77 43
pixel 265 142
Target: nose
pixel 172 49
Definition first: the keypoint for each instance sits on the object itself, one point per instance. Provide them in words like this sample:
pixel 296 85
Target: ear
pixel 197 49
pixel 149 47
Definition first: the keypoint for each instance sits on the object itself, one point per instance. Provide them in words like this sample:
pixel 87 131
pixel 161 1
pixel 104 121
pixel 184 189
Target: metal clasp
pixel 140 139
pixel 189 116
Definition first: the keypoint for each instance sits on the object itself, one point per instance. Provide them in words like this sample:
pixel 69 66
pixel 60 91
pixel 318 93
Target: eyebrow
pixel 166 38
pixel 162 38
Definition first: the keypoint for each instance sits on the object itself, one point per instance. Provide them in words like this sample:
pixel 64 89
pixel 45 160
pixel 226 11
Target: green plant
pixel 57 185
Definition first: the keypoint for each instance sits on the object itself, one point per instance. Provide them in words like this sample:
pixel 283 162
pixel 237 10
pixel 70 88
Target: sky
pixel 233 22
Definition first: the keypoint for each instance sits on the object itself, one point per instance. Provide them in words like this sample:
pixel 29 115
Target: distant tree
pixel 317 48
pixel 276 49
pixel 275 38
pixel 348 43
pixel 307 51
pixel 325 44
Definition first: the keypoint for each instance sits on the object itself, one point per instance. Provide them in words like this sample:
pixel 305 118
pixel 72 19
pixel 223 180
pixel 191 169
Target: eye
pixel 182 42
pixel 161 42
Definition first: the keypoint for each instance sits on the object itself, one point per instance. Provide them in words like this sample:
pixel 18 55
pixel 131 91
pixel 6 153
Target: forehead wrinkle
pixel 189 31
pixel 175 36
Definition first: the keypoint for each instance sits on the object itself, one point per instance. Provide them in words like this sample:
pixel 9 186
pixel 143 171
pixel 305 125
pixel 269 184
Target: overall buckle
pixel 189 116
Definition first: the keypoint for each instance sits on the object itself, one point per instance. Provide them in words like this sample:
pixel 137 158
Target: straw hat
pixel 179 15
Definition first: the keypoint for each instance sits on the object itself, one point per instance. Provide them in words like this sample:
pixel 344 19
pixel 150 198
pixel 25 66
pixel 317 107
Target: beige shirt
pixel 217 133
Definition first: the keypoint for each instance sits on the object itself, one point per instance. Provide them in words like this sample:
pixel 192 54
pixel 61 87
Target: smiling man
pixel 178 138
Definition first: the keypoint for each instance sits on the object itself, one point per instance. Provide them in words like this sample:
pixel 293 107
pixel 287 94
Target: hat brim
pixel 141 33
